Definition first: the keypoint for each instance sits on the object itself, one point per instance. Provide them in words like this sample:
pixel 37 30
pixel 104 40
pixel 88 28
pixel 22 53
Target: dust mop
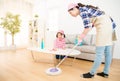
pixel 56 70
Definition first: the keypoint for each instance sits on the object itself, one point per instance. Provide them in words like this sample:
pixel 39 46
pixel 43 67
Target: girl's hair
pixel 60 33
pixel 82 5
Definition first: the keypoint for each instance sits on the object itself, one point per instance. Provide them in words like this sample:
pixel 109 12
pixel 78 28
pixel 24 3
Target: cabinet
pixel 33 33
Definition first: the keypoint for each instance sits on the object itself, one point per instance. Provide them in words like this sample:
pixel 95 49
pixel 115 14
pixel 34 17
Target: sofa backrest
pixel 70 38
pixel 88 40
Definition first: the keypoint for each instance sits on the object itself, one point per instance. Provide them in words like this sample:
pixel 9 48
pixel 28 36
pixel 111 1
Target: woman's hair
pixel 90 6
pixel 61 34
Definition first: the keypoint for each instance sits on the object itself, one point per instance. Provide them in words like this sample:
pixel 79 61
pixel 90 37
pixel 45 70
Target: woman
pixel 94 17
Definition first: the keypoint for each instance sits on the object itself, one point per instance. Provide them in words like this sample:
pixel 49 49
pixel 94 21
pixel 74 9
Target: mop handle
pixel 66 55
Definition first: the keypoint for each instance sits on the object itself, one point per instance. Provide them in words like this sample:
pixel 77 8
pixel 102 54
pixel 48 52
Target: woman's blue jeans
pixel 100 51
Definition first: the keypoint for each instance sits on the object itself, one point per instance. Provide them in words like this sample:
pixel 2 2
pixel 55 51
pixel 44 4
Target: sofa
pixel 87 48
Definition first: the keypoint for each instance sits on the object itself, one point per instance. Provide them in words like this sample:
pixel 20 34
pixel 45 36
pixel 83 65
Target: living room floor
pixel 19 66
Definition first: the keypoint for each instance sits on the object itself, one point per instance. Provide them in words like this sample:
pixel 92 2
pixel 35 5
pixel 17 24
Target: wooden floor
pixel 19 66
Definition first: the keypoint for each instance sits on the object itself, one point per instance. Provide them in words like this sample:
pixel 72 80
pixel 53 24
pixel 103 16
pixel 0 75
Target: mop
pixel 56 70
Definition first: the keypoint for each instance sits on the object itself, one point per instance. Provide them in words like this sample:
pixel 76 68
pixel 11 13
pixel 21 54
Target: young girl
pixel 59 43
pixel 93 16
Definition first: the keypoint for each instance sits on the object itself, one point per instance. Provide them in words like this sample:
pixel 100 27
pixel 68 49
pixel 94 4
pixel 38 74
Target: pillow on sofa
pixel 76 42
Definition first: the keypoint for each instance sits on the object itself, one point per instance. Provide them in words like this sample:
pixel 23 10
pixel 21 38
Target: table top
pixel 67 51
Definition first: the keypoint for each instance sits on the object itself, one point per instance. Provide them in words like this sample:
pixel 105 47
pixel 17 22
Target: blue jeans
pixel 100 51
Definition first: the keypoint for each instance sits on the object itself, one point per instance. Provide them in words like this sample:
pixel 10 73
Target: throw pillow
pixel 76 42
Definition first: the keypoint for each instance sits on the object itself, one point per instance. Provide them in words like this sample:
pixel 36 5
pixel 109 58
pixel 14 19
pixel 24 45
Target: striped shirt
pixel 86 13
pixel 113 23
pixel 59 43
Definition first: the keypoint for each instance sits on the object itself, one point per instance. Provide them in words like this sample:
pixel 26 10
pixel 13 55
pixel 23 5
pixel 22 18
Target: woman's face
pixel 74 12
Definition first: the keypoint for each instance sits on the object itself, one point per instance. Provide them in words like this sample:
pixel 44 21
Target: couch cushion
pixel 86 49
pixel 76 42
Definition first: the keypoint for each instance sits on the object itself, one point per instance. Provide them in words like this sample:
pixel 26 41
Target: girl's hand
pixel 63 48
pixel 54 49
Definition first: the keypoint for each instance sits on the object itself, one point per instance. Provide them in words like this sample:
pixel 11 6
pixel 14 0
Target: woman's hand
pixel 79 41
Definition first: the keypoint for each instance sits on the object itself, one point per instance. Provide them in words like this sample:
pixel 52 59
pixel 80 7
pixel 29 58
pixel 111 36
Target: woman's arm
pixel 84 33
pixel 86 30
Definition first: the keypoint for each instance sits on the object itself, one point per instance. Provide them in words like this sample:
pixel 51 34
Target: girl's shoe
pixel 87 75
pixel 102 74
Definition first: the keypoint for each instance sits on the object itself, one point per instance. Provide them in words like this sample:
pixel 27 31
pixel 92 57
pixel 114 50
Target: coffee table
pixel 65 52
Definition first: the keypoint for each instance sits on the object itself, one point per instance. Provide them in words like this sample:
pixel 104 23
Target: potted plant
pixel 11 23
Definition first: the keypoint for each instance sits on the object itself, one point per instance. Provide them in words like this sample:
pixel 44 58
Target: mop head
pixel 53 71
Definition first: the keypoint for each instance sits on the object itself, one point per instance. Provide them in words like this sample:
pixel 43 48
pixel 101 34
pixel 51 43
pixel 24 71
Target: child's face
pixel 60 35
pixel 74 12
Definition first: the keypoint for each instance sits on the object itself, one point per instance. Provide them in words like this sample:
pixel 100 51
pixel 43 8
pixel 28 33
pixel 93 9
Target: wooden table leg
pixel 73 60
pixel 32 55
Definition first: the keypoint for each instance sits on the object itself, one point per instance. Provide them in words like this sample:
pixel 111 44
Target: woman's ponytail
pixel 90 6
pixel 81 5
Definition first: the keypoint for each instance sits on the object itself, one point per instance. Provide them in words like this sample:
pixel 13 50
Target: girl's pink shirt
pixel 59 43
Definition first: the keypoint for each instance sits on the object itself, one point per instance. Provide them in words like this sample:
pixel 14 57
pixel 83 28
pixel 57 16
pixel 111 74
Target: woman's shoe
pixel 102 74
pixel 87 75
